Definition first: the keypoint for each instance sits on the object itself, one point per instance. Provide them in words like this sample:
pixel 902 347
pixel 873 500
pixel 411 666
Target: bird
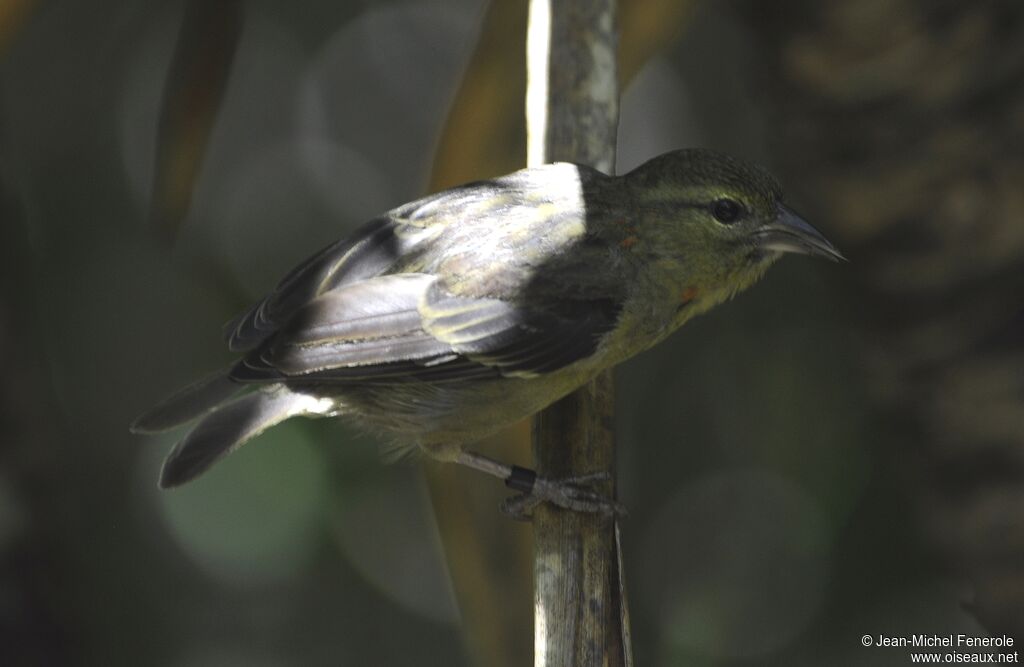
pixel 453 316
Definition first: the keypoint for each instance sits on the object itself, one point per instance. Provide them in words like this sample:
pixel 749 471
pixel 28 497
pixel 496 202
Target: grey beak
pixel 791 233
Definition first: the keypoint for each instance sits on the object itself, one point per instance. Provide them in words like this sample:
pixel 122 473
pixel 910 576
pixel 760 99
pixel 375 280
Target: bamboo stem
pixel 580 614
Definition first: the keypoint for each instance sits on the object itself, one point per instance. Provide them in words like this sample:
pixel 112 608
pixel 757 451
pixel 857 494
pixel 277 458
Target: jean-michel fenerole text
pixel 933 641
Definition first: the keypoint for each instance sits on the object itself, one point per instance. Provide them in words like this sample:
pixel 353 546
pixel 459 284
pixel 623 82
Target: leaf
pixel 193 93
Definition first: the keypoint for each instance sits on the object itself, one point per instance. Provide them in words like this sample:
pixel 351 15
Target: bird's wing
pixel 404 327
pixel 371 250
pixel 368 252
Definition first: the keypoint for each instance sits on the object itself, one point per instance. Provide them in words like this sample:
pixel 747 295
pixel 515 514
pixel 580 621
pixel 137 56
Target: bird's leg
pixel 571 493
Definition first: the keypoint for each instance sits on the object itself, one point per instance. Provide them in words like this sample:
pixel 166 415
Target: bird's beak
pixel 791 233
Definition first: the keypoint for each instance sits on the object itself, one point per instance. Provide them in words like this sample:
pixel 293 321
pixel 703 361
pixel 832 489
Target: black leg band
pixel 521 479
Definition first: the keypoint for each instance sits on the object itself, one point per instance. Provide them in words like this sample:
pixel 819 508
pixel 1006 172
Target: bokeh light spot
pixel 252 519
pixel 748 557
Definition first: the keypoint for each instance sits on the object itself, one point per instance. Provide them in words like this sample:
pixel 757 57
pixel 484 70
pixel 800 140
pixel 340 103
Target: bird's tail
pixel 229 427
pixel 226 423
pixel 192 402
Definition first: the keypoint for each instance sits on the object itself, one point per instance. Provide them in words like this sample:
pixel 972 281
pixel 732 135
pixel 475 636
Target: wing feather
pixel 404 327
pixel 516 339
pixel 370 251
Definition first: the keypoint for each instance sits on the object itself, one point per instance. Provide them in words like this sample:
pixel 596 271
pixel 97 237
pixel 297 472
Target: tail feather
pixel 192 402
pixel 229 427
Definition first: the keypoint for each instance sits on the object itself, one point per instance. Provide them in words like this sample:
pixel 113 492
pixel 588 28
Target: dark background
pixel 836 453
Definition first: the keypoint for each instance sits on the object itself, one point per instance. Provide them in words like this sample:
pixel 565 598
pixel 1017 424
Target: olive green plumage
pixel 455 315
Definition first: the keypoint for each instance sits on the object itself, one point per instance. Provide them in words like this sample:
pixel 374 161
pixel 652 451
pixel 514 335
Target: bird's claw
pixel 572 493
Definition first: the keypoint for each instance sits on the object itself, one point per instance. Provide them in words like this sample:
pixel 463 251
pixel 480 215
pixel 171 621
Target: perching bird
pixel 453 316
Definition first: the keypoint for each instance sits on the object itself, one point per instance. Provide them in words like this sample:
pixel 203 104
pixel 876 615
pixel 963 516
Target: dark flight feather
pixel 405 327
pixel 191 402
pixel 225 429
pixel 371 250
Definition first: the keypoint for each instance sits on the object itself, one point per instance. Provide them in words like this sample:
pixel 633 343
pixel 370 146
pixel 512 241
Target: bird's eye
pixel 726 210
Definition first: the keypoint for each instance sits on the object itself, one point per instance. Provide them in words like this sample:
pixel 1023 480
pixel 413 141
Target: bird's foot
pixel 574 493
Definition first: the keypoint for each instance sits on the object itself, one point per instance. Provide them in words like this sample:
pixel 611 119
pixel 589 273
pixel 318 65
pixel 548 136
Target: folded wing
pixel 368 252
pixel 398 328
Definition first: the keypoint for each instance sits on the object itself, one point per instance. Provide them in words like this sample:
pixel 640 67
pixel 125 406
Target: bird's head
pixel 715 223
